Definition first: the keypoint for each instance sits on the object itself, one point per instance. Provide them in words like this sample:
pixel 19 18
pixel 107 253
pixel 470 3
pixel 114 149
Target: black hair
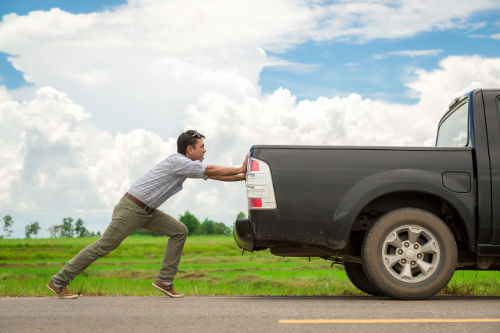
pixel 187 138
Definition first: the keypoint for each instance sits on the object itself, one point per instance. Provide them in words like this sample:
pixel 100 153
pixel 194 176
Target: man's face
pixel 196 153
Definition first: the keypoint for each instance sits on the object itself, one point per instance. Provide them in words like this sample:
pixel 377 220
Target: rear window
pixel 453 131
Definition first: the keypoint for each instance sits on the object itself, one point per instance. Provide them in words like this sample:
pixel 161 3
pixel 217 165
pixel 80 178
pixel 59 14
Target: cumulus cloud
pixel 352 120
pixel 52 156
pixel 55 162
pixel 455 76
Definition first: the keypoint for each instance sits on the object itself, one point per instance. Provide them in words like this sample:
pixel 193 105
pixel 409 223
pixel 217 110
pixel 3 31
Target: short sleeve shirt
pixel 166 179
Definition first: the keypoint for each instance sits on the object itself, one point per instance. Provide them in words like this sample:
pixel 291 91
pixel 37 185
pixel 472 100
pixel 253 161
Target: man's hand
pixel 245 164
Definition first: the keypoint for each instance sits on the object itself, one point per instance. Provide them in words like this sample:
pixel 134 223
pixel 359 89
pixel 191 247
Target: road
pixel 249 314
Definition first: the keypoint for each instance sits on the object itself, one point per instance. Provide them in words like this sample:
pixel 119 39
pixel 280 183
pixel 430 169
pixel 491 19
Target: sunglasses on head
pixel 194 134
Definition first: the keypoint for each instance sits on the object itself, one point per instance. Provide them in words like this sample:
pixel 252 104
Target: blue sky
pixel 369 68
pixel 373 68
pixel 23 7
pixel 111 88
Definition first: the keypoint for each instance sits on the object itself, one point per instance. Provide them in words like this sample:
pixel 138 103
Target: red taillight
pixel 259 185
pixel 255 203
pixel 254 165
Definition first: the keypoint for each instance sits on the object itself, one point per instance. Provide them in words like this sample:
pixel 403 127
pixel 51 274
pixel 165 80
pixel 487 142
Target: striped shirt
pixel 166 179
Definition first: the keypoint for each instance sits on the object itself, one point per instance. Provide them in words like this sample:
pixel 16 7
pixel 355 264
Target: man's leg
pixel 165 224
pixel 127 217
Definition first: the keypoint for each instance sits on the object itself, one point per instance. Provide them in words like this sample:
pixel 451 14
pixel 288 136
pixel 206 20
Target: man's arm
pixel 218 172
pixel 233 178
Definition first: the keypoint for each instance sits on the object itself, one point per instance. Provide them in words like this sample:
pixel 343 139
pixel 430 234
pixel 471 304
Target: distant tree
pixel 8 221
pixel 80 230
pixel 241 216
pixel 208 227
pixel 67 230
pixel 222 229
pixel 55 231
pixel 191 222
pixel 35 228
pixel 32 229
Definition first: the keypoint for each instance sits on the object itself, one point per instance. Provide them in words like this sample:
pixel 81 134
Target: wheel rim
pixel 411 253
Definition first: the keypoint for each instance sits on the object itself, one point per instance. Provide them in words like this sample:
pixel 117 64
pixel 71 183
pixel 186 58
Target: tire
pixel 359 279
pixel 409 253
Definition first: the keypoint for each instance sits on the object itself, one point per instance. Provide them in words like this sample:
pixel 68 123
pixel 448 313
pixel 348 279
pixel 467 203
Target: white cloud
pixel 410 53
pixel 495 36
pixel 52 154
pixel 284 65
pixel 455 76
pixel 365 20
pixel 54 162
pixel 233 126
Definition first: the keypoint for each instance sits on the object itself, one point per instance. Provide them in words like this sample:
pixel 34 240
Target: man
pixel 139 208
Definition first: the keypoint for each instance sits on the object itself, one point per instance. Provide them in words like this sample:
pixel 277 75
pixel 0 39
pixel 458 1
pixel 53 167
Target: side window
pixel 453 131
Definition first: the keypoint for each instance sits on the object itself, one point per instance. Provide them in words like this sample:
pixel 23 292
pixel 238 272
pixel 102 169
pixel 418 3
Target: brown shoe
pixel 167 289
pixel 62 292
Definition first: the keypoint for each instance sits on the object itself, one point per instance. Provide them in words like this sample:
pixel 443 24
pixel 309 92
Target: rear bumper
pixel 243 235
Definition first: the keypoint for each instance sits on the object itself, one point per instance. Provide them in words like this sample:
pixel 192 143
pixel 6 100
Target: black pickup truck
pixel 400 219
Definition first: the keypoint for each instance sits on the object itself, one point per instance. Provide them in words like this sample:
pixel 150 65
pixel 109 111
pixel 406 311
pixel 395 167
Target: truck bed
pixel 316 186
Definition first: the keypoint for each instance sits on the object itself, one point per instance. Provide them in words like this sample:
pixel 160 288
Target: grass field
pixel 210 265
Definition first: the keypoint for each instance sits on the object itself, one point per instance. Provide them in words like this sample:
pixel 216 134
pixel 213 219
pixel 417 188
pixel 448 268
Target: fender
pixel 382 183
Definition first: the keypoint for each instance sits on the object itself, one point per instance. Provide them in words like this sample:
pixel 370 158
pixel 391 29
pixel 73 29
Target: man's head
pixel 190 143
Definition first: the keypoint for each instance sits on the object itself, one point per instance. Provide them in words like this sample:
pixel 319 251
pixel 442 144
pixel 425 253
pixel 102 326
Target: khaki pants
pixel 127 217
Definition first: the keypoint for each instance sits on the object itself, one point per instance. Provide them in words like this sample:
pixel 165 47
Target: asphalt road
pixel 249 314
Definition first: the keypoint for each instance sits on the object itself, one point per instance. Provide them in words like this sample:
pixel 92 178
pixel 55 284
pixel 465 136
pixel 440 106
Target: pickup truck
pixel 400 219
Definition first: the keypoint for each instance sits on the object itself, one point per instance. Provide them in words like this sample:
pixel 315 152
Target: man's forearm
pixel 233 178
pixel 217 171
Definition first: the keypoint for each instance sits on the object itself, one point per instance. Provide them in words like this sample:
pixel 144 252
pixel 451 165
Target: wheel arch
pixel 383 192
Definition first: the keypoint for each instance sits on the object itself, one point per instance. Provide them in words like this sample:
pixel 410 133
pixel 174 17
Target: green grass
pixel 210 265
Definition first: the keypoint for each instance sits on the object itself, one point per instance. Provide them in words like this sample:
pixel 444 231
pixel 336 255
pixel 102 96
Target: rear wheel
pixel 359 279
pixel 409 254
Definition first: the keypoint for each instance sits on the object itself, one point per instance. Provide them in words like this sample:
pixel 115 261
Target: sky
pixel 94 93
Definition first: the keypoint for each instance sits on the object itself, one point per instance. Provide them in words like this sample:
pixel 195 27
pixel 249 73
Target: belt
pixel 139 203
